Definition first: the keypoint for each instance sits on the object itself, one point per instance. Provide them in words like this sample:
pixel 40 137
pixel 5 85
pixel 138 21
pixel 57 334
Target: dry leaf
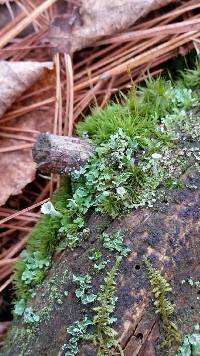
pixel 16 77
pixel 82 25
pixel 17 168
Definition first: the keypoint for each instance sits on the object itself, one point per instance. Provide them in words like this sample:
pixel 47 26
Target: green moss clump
pixel 141 111
pixel 191 78
pixel 136 117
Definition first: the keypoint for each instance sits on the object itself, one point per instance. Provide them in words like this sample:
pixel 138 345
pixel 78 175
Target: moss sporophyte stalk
pixel 142 148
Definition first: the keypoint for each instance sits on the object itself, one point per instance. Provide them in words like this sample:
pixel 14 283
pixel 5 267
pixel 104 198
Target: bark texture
pixel 168 234
pixel 62 155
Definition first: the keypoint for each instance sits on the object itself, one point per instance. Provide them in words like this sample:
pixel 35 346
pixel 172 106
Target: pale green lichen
pixel 191 344
pixel 144 146
pixel 84 286
pixel 29 316
pixel 77 331
pixel 191 282
pixel 115 243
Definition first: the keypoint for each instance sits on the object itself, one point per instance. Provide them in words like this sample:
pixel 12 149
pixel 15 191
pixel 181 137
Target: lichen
pixel 191 344
pixel 143 147
pixel 95 327
pixel 77 331
pixel 84 286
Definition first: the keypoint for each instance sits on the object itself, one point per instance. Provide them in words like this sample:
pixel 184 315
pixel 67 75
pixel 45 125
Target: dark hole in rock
pixel 198 292
pixel 139 336
pixel 192 308
pixel 137 267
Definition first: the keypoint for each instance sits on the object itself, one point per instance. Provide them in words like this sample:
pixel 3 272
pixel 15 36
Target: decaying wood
pixel 62 155
pixel 168 234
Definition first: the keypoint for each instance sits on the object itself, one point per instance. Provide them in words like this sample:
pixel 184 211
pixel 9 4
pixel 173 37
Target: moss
pixel 104 337
pixel 134 117
pixel 139 154
pixel 191 78
pixel 125 172
pixel 161 288
pixel 43 240
pixel 96 329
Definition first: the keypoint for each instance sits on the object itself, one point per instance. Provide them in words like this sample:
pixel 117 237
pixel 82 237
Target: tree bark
pixel 62 155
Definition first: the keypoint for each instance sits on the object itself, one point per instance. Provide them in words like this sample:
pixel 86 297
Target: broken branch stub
pixel 62 155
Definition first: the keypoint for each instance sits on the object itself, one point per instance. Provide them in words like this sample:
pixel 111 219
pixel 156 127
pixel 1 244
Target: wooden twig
pixel 62 155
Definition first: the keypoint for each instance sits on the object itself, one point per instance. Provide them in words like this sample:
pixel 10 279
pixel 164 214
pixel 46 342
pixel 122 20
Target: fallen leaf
pixel 16 77
pixel 17 168
pixel 83 24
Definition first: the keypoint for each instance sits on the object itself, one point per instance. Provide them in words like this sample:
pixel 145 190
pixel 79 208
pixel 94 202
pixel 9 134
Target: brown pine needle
pixel 23 211
pixel 16 148
pixel 17 137
pixel 16 129
pixel 8 261
pixel 58 92
pixel 5 39
pixel 141 59
pixel 5 284
pixel 68 123
pixel 25 109
pixel 180 27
